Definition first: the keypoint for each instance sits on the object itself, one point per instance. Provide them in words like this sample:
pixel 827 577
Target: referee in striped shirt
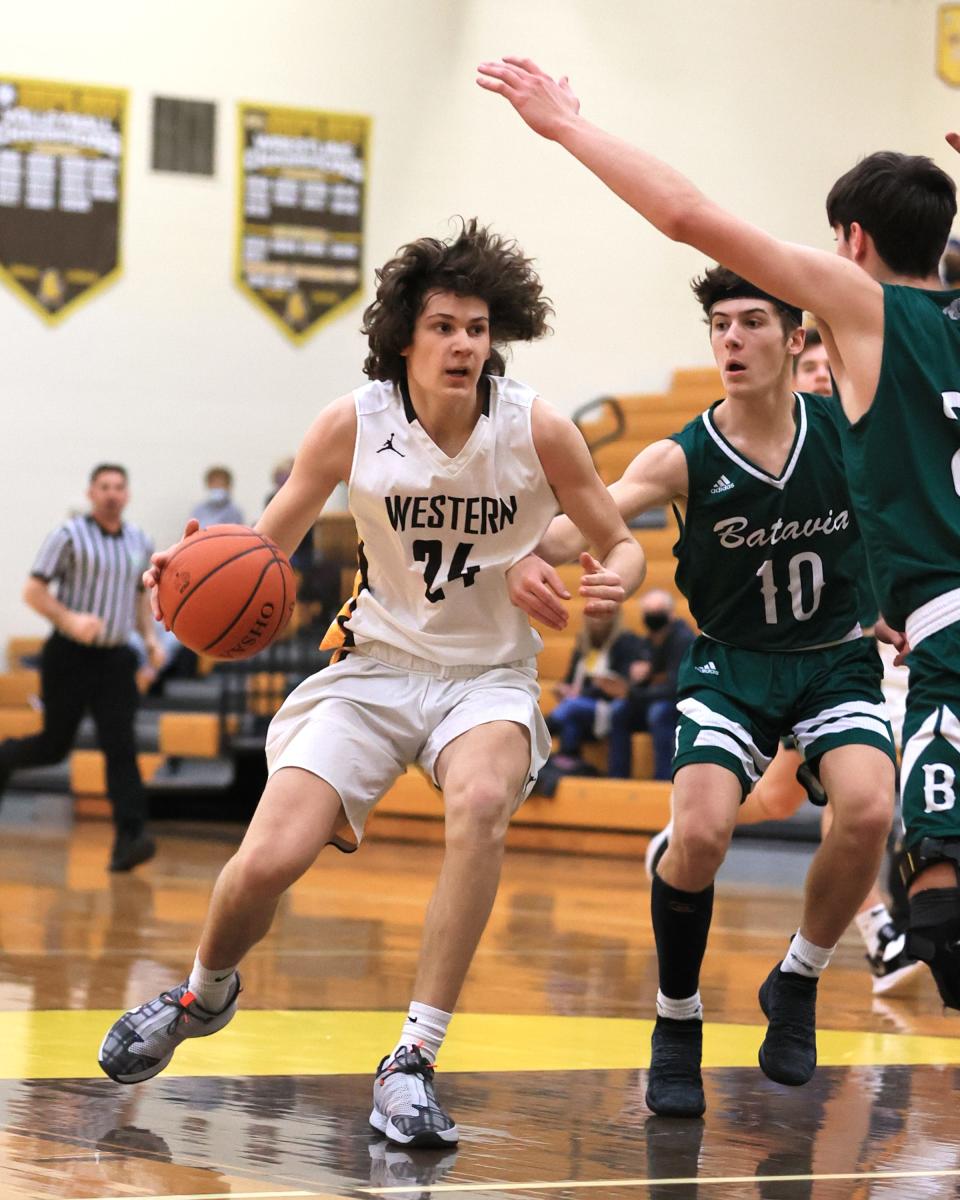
pixel 96 562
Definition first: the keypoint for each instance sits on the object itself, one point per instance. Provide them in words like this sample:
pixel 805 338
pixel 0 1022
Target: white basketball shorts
pixel 359 723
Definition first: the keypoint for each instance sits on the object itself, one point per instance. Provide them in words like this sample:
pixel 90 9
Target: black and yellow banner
pixel 303 178
pixel 61 175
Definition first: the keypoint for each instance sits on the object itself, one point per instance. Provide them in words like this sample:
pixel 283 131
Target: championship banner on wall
pixel 61 171
pixel 302 187
pixel 948 43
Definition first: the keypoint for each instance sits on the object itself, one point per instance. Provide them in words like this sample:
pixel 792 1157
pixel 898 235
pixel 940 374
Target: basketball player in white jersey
pixel 454 473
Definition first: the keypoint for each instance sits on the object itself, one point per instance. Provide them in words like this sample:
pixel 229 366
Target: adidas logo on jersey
pixel 709 668
pixel 723 484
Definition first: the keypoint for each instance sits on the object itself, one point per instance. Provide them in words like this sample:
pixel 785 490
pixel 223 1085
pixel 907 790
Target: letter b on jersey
pixel 938 790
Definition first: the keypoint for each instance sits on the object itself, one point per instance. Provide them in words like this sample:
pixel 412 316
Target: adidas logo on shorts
pixel 723 484
pixel 709 668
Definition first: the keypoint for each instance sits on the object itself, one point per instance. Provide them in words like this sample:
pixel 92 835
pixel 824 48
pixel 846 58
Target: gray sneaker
pixel 405 1106
pixel 140 1043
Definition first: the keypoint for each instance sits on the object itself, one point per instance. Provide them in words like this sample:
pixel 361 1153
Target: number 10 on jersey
pixel 795 571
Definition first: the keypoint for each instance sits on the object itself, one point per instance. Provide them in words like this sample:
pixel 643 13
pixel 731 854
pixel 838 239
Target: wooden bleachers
pixel 651 417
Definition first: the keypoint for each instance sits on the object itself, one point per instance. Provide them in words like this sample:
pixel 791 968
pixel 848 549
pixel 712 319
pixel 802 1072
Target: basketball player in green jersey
pixel 893 336
pixel 788 782
pixel 768 557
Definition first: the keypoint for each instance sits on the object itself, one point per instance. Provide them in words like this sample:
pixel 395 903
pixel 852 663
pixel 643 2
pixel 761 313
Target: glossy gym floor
pixel 543 1069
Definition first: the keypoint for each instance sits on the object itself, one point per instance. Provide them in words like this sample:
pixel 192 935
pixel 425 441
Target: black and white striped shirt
pixel 97 572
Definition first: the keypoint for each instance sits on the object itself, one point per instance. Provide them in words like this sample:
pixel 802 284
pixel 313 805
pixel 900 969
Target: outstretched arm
pixel 836 290
pixel 570 471
pixel 657 476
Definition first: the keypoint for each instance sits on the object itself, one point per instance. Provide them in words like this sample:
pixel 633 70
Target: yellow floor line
pixel 231 1196
pixel 699 1180
pixel 64 1044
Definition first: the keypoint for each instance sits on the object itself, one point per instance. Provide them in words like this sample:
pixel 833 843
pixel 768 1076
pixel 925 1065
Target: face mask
pixel 656 620
pixel 218 495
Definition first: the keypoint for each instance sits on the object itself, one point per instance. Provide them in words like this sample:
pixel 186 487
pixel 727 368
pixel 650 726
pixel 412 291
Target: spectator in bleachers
pixel 598 675
pixel 217 506
pixel 650 705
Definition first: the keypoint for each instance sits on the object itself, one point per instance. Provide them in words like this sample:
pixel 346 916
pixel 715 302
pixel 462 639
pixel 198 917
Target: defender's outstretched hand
pixel 546 104
pixel 954 140
pixel 151 576
pixel 602 589
pixel 536 588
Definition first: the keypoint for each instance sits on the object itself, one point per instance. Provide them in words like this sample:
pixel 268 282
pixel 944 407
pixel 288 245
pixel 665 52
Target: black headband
pixel 745 290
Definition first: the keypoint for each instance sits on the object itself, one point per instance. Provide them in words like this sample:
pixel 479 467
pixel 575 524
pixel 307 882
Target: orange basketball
pixel 227 591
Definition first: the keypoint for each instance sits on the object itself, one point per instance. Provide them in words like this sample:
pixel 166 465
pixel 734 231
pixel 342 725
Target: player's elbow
pixel 687 219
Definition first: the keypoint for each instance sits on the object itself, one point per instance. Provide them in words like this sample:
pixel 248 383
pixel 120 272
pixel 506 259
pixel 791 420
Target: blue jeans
pixel 656 717
pixel 572 722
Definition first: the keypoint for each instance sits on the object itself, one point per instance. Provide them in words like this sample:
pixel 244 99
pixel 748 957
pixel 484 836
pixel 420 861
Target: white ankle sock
pixel 804 958
pixel 212 988
pixel 688 1009
pixel 870 923
pixel 425 1027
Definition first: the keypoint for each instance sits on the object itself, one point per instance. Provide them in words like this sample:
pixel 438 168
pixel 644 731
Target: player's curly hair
pixel 477 263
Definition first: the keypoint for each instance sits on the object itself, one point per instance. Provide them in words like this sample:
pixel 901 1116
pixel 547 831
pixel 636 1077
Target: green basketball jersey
pixel 903 455
pixel 770 562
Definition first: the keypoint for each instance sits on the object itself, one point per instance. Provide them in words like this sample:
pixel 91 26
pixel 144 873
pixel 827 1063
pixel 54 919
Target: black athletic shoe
pixel 130 851
pixel 674 1082
pixel 816 792
pixel 789 1051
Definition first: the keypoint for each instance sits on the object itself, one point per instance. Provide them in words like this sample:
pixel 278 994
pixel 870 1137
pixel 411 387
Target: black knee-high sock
pixel 681 922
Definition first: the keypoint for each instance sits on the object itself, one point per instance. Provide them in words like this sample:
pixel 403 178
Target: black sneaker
pixel 130 851
pixel 816 792
pixel 892 967
pixel 674 1082
pixel 789 1051
pixel 405 1106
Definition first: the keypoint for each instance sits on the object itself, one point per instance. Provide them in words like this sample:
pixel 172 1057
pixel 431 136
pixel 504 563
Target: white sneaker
pixel 405 1106
pixel 656 848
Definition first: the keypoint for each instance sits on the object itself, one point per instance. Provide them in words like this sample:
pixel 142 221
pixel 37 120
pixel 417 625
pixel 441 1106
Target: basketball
pixel 227 592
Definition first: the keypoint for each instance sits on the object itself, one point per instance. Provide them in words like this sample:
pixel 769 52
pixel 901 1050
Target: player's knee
pixel 700 843
pixel 779 803
pixel 933 936
pixel 266 870
pixel 477 812
pixel 864 816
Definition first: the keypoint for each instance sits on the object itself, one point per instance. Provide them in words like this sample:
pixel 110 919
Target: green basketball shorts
pixel 734 705
pixel 931 739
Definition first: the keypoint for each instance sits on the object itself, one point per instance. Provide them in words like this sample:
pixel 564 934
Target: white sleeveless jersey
pixel 438 534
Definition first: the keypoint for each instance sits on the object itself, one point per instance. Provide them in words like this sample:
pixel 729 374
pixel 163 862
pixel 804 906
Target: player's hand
pixel 601 588
pixel 151 576
pixel 893 637
pixel 82 627
pixel 954 140
pixel 536 588
pixel 546 104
